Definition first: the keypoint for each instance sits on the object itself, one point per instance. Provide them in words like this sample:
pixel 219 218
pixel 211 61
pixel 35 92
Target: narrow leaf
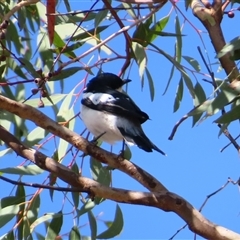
pixel 43 219
pixel 230 47
pixel 230 116
pixel 140 57
pixel 178 96
pixel 74 234
pixel 194 63
pixel 169 79
pixel 55 226
pixel 65 73
pixel 7 214
pixel 151 84
pixel 179 40
pixel 200 97
pixel 86 207
pixel 93 225
pixel 75 195
pixel 23 170
pixel 116 227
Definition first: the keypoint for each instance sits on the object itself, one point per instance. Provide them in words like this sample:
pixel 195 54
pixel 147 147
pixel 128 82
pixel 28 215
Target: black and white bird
pixel 109 112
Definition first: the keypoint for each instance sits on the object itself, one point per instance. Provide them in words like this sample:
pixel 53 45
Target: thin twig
pixel 222 149
pixel 37 185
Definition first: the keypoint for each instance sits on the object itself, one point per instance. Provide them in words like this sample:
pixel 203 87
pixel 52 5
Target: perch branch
pixel 163 200
pixel 27 112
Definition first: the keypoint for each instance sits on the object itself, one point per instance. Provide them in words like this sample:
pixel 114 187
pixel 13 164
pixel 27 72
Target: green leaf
pixel 8 236
pixel 68 51
pixel 74 234
pixel 230 47
pixel 26 230
pixel 7 214
pixel 168 34
pixel 11 200
pixel 14 38
pixel 140 57
pixel 60 44
pixel 66 107
pixel 33 209
pixel 201 108
pixel 226 96
pixel 141 33
pixel 35 136
pixel 160 25
pixel 44 218
pixel 151 84
pixel 56 98
pixel 67 5
pixel 5 152
pixel 169 79
pixel 194 63
pixel 75 195
pixel 179 40
pixel 43 49
pixel 116 227
pixel 187 4
pixel 200 97
pixel 20 194
pixel 32 15
pixel 130 10
pixel 21 18
pixel 93 225
pixel 127 155
pixel 185 76
pixel 89 205
pixel 23 170
pixel 65 73
pixel 100 16
pixel 55 226
pixel 16 69
pixel 39 236
pixel 179 95
pixel 99 173
pixel 145 35
pixel 88 33
pixel 230 116
pixel 29 67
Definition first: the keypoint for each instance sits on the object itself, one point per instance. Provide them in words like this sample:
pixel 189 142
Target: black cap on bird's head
pixel 106 80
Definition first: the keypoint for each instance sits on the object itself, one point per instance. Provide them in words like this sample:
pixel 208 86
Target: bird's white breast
pixel 99 122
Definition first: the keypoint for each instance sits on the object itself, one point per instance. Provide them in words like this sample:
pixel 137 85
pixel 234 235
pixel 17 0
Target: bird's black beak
pixel 125 81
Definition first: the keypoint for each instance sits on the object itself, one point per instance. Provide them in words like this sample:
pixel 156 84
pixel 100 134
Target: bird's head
pixel 106 80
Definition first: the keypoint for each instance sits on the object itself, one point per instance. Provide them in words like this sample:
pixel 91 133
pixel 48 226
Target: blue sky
pixel 194 167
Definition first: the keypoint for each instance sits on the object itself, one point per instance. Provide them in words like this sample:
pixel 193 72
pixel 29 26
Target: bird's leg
pixel 121 154
pixel 94 141
pixel 96 138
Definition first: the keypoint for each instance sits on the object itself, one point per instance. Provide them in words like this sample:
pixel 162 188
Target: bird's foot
pixel 94 141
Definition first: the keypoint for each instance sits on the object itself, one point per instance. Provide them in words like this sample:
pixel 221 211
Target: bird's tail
pixel 138 137
pixel 144 143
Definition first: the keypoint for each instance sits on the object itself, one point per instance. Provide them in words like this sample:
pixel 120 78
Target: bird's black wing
pixel 121 105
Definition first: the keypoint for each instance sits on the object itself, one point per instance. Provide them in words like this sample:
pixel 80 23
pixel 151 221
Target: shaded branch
pixel 164 200
pixel 211 18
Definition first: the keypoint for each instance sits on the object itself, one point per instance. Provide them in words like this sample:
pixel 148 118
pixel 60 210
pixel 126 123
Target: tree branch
pixel 27 112
pixel 211 19
pixel 163 200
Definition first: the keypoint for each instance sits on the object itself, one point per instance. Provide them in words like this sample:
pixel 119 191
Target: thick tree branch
pixel 164 200
pixel 211 18
pixel 27 112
